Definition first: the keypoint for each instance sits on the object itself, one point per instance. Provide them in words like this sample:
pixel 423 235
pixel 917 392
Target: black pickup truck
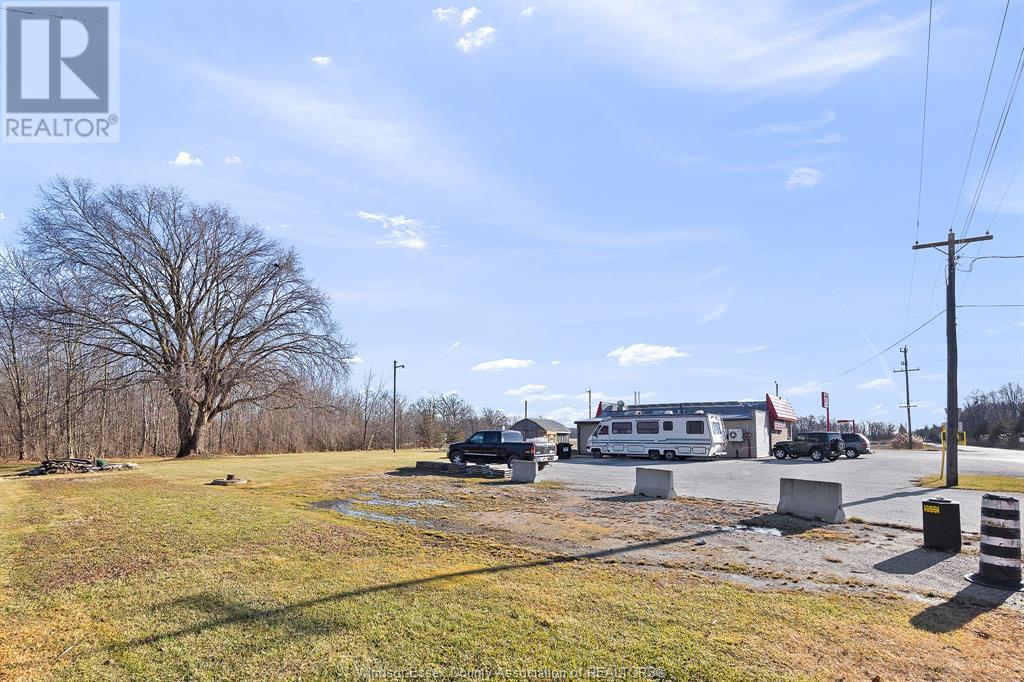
pixel 500 447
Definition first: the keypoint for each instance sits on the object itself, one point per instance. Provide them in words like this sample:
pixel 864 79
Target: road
pixel 876 487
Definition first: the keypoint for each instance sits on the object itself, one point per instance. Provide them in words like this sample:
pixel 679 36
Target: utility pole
pixel 590 411
pixel 906 375
pixel 394 404
pixel 952 401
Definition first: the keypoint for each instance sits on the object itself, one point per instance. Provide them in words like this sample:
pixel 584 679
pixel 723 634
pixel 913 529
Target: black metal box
pixel 941 524
pixel 564 450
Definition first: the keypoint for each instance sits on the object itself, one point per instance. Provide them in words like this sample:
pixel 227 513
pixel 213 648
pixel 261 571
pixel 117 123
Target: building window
pixel 647 427
pixel 667 426
pixel 695 428
pixel 622 427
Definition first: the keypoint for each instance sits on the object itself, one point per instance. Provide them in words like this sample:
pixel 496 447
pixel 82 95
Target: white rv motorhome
pixel 668 436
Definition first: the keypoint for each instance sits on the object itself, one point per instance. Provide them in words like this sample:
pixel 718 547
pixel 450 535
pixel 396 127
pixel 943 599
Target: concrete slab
pixel 815 500
pixel 652 482
pixel 523 471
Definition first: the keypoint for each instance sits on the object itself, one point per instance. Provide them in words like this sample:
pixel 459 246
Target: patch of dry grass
pixel 984 482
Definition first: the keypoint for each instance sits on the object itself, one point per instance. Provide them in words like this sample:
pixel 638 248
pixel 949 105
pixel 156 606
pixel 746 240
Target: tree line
pixel 134 321
pixel 990 418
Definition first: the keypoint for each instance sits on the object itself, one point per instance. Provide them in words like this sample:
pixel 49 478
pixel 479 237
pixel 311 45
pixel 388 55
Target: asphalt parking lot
pixel 876 487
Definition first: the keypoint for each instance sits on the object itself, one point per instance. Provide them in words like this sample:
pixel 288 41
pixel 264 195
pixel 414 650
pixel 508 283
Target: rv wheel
pixel 670 454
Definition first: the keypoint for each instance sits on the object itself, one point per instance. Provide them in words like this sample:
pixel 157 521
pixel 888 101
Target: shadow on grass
pixel 225 613
pixel 960 609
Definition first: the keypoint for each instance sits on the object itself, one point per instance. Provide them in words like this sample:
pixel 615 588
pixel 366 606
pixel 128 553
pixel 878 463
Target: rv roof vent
pixel 699 412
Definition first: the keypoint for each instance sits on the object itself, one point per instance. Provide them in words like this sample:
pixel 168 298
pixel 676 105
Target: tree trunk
pixel 191 423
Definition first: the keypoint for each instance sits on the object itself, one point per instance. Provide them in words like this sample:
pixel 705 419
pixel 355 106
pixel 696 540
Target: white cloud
pixel 3 216
pixel 527 12
pixel 831 138
pixel 752 349
pixel 793 127
pixel 645 353
pixel 881 382
pixel 476 39
pixel 556 362
pixel 445 13
pixel 455 344
pixel 716 313
pixel 804 177
pixel 405 232
pixel 468 15
pixel 566 415
pixel 731 47
pixel 233 161
pixel 526 390
pixel 321 60
pixel 185 159
pixel 504 363
pixel 804 389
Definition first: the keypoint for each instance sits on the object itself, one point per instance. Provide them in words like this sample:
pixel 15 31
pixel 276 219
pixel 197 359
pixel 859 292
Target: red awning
pixel 779 409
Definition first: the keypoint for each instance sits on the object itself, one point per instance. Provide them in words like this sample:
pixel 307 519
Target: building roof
pixel 549 425
pixel 779 409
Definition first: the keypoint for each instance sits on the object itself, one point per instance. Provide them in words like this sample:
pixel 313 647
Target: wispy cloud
pixel 321 60
pixel 527 12
pixel 881 382
pixel 476 39
pixel 233 161
pixel 526 390
pixel 454 345
pixel 405 232
pixel 556 362
pixel 645 353
pixel 185 159
pixel 804 177
pixel 831 138
pixel 804 389
pixel 752 349
pixel 794 127
pixel 730 47
pixel 716 313
pixel 504 363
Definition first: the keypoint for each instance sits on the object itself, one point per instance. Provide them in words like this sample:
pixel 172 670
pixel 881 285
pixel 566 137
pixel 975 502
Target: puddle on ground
pixel 760 530
pixel 346 507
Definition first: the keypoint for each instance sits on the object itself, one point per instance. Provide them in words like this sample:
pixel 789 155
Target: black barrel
pixel 999 564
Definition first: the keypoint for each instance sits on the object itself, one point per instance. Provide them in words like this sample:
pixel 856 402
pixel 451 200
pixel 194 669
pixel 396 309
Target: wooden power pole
pixel 952 401
pixel 906 370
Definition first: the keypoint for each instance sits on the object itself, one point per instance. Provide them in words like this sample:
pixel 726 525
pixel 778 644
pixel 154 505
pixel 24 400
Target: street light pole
pixel 394 404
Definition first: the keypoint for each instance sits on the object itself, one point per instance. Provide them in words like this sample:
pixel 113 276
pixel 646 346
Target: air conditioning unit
pixel 735 435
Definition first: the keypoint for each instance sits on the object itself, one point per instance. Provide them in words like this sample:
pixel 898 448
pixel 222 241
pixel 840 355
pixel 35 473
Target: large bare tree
pixel 183 294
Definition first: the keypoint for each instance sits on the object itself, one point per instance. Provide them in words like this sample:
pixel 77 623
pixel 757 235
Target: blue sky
pixel 533 199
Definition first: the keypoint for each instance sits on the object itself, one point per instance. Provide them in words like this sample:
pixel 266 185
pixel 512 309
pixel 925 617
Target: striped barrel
pixel 1000 563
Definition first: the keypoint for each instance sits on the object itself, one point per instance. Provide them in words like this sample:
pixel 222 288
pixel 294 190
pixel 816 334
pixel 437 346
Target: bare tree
pixel 185 294
pixel 373 404
pixel 491 418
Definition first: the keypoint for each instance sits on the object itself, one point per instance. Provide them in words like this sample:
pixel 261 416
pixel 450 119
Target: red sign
pixel 824 399
pixel 779 427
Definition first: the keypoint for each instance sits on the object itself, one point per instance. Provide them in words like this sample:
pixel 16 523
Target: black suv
pixel 856 444
pixel 819 445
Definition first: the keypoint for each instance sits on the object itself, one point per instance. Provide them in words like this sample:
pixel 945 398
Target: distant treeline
pixel 990 418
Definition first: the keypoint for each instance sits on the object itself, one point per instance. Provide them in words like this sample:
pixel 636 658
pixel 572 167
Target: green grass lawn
pixel 152 574
pixel 987 483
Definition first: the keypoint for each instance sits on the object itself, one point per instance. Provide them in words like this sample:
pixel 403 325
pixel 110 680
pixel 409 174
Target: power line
pixel 920 171
pixel 981 110
pixel 977 258
pixel 991 305
pixel 887 348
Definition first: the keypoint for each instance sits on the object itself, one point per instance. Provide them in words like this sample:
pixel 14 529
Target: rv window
pixel 622 427
pixel 716 428
pixel 647 427
pixel 695 428
pixel 667 426
pixel 603 431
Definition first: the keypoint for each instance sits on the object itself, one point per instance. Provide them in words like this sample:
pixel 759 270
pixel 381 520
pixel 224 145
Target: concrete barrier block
pixel 652 482
pixel 818 500
pixel 523 471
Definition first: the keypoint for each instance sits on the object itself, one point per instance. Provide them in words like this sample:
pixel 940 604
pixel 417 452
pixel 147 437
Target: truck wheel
pixel 817 455
pixel 509 461
pixel 852 454
pixel 779 453
pixel 540 467
pixel 457 458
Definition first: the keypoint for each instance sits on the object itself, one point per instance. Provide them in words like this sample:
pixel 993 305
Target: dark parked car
pixel 819 445
pixel 856 444
pixel 500 447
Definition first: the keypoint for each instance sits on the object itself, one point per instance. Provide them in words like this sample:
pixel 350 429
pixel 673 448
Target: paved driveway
pixel 876 487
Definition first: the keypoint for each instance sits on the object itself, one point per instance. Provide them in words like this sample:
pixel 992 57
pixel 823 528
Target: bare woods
pixel 133 320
